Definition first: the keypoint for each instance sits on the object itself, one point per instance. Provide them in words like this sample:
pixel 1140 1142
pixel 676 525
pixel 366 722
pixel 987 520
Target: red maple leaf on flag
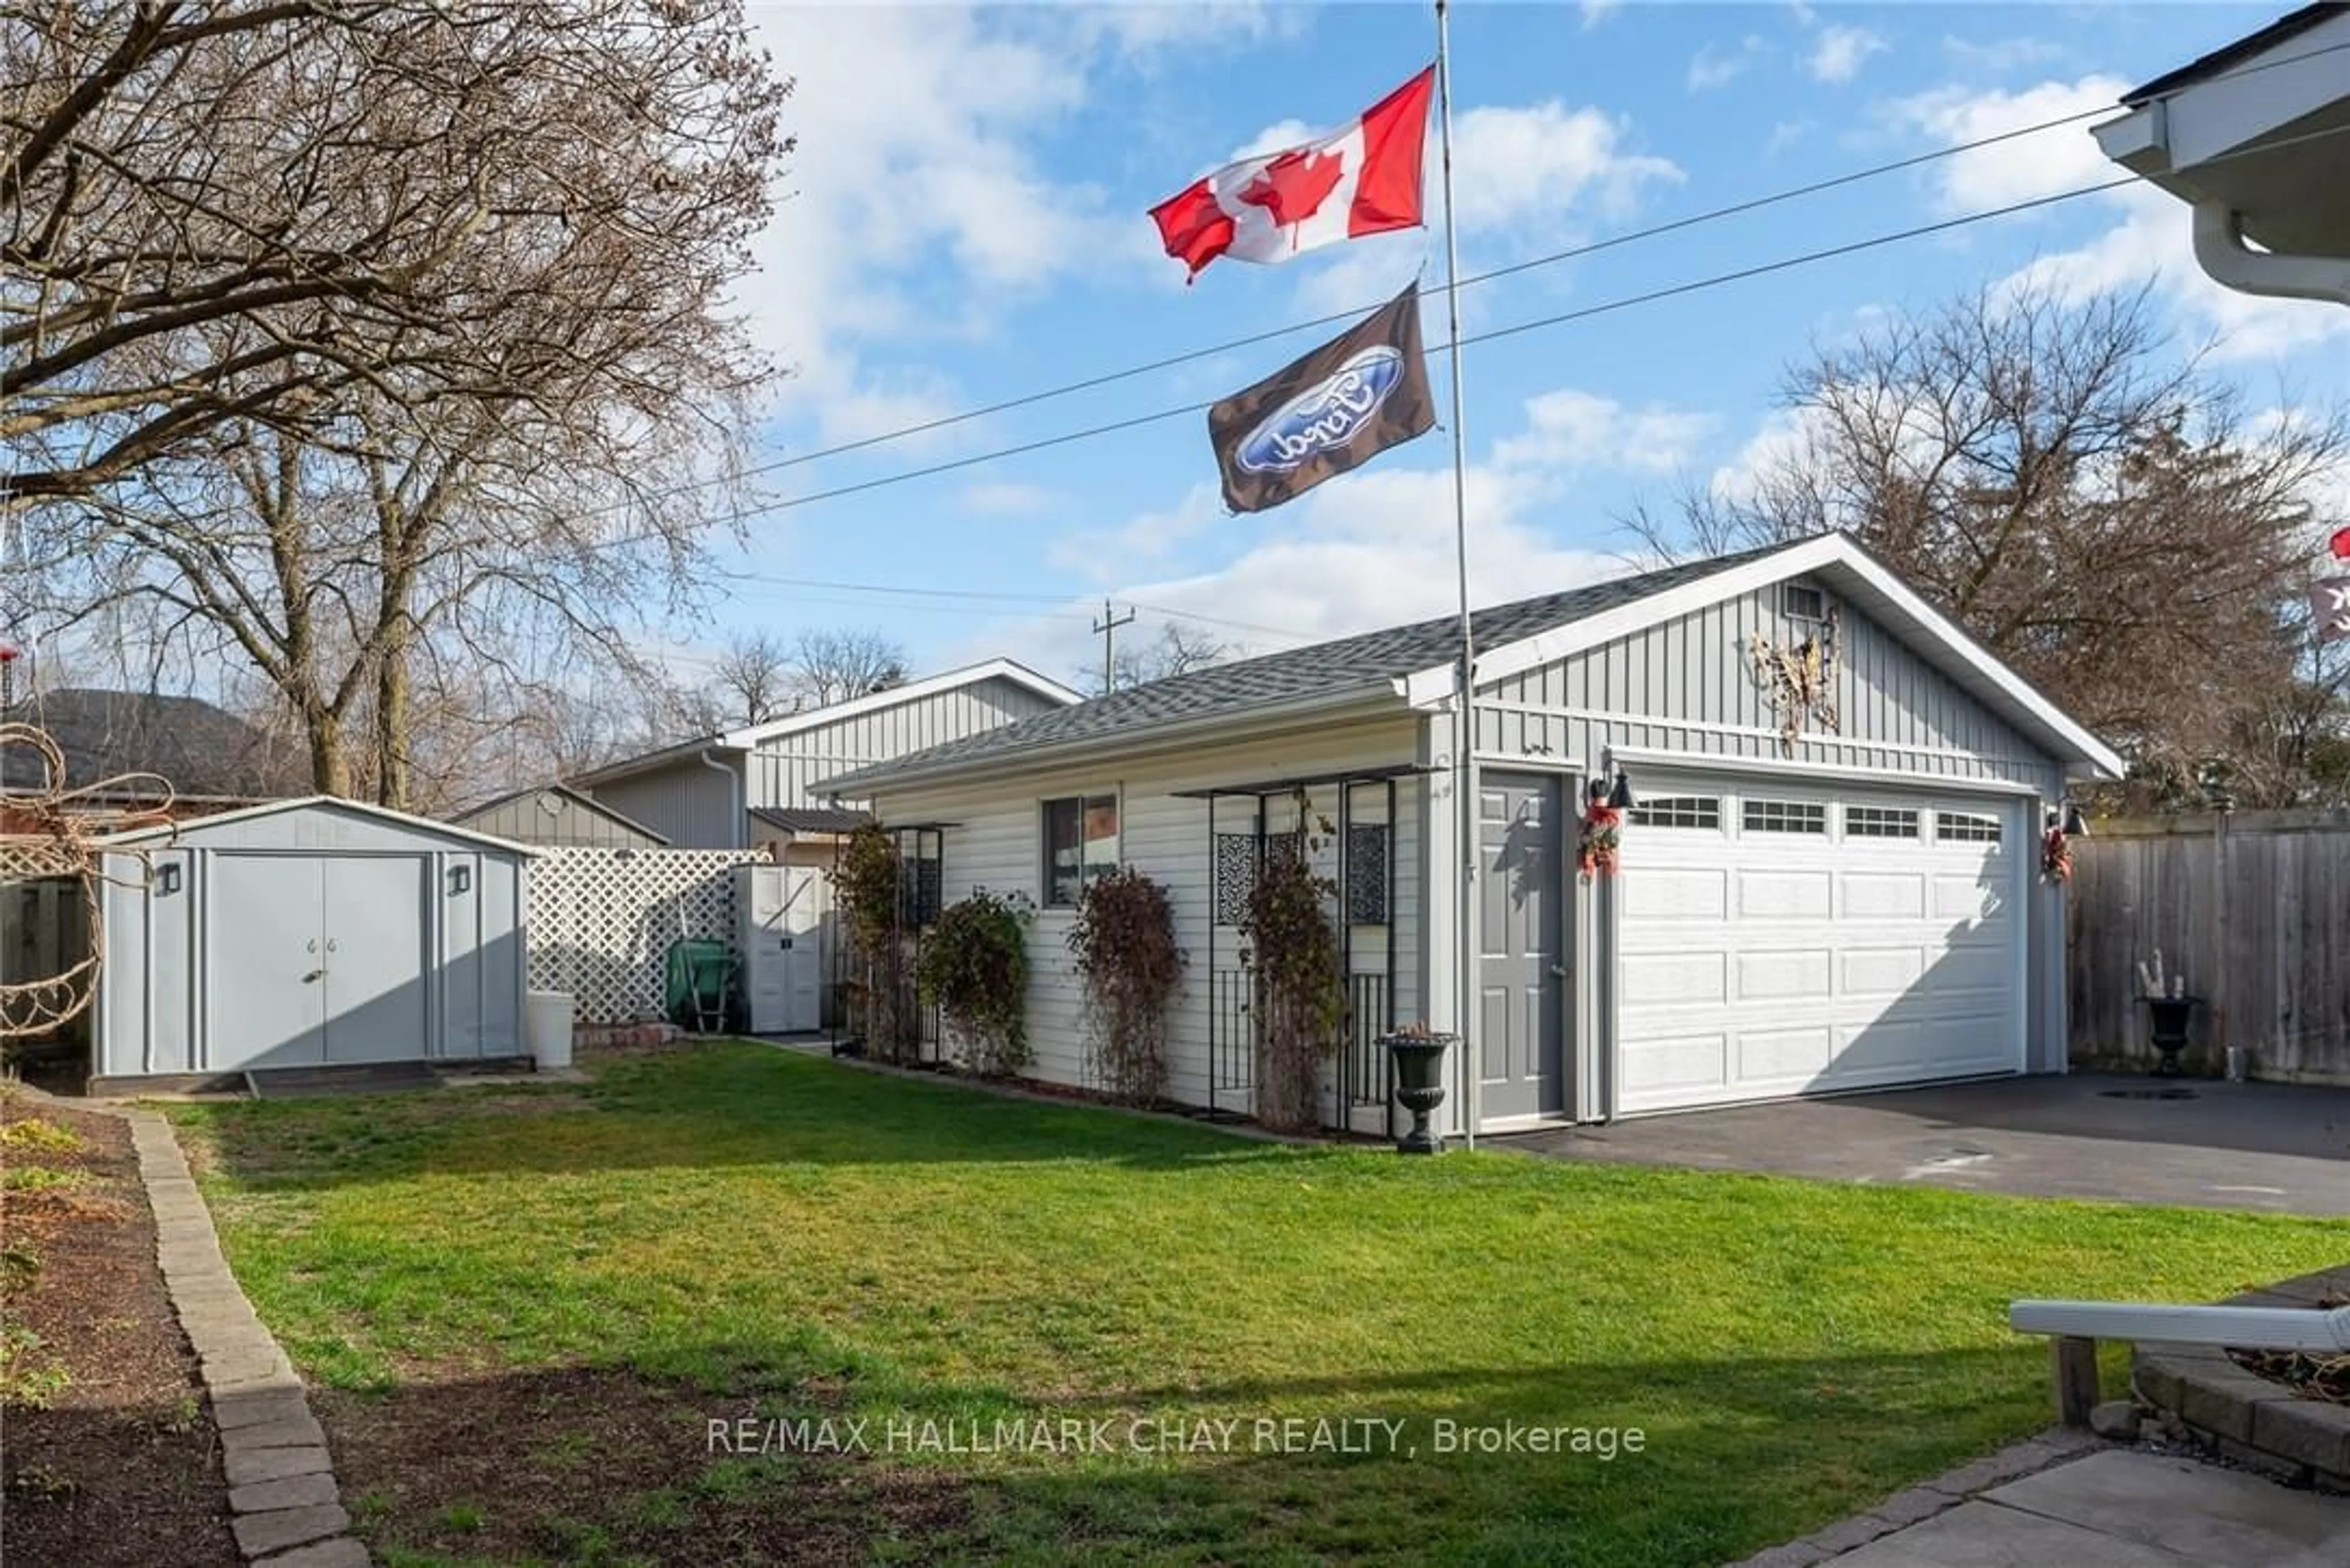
pixel 1293 187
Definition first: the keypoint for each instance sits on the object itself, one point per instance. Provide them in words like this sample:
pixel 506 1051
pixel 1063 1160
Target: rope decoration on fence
pixel 56 838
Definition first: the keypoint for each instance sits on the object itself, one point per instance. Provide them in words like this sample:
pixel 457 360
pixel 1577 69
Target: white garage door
pixel 1780 940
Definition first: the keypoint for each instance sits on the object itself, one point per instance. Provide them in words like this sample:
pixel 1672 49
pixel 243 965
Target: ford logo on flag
pixel 1326 415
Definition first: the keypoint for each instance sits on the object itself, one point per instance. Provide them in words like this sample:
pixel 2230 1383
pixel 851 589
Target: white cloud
pixel 1782 435
pixel 1571 429
pixel 1523 174
pixel 1007 498
pixel 1514 165
pixel 1784 135
pixel 1106 553
pixel 1716 66
pixel 1839 52
pixel 1597 11
pixel 894 170
pixel 2002 55
pixel 1145 31
pixel 2154 242
pixel 1377 547
pixel 2149 239
pixel 2063 158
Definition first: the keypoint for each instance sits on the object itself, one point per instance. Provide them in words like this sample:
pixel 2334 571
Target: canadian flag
pixel 1364 179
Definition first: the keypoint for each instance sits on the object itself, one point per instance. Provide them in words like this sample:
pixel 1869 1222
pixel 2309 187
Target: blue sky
pixel 965 223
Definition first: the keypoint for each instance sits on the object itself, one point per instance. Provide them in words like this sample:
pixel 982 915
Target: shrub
pixel 1123 945
pixel 974 966
pixel 1300 994
pixel 866 891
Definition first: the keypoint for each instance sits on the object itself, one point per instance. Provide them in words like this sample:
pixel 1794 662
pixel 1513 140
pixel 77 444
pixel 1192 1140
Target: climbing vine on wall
pixel 1299 993
pixel 974 965
pixel 1123 942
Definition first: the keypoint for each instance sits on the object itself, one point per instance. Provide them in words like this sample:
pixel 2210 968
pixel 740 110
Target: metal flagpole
pixel 1464 766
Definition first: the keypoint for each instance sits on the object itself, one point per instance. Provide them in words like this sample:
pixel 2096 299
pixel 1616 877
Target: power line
pixel 1113 426
pixel 1573 252
pixel 1625 302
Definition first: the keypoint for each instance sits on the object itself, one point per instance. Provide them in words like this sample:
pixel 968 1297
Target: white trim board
pixel 305 802
pixel 1630 757
pixel 1884 596
pixel 1715 727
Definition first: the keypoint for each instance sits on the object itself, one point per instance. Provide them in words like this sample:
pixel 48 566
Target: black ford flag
pixel 1334 409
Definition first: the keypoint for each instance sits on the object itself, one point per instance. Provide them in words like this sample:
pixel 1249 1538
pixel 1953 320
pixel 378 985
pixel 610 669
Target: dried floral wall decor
pixel 2056 853
pixel 1601 837
pixel 1800 681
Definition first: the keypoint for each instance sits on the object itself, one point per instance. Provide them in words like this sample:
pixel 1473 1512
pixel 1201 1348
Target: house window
pixel 1784 816
pixel 1080 844
pixel 1880 822
pixel 1801 601
pixel 1965 828
pixel 1698 811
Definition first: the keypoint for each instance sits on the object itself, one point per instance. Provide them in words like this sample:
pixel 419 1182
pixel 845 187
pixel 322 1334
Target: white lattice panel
pixel 601 922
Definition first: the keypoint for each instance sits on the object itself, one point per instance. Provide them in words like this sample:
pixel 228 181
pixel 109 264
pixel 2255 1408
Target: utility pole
pixel 1108 626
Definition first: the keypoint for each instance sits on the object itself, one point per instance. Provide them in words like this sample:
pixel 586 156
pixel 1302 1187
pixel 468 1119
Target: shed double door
pixel 317 959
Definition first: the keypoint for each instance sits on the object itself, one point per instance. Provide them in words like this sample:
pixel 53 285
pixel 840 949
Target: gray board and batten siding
pixel 555 816
pixel 785 772
pixel 693 803
pixel 309 933
pixel 1896 711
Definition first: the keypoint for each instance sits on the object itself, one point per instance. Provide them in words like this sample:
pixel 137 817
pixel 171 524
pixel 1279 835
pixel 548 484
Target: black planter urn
pixel 1418 1085
pixel 2171 1014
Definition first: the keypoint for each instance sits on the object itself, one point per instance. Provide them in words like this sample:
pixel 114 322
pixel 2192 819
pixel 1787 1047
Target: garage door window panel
pixel 1693 812
pixel 1804 816
pixel 1881 822
pixel 1966 827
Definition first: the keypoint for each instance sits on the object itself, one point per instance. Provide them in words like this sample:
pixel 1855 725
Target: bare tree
pixel 2088 503
pixel 838 666
pixel 755 675
pixel 356 489
pixel 227 211
pixel 1182 646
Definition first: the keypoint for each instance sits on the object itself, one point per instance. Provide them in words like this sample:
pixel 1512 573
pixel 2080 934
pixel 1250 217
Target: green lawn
pixel 736 1230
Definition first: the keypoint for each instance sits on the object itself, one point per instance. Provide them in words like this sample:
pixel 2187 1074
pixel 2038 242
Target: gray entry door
pixel 1522 893
pixel 375 958
pixel 268 971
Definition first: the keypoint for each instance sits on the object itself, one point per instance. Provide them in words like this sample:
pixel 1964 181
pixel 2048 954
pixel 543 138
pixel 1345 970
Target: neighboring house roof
pixel 1417 663
pixel 752 735
pixel 587 803
pixel 811 819
pixel 203 752
pixel 310 802
pixel 2235 54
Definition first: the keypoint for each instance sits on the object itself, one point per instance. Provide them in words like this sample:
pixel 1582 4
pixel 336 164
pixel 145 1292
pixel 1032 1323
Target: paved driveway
pixel 2223 1146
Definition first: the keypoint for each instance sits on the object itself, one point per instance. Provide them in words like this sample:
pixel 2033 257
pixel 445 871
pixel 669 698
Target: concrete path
pixel 2124 1507
pixel 285 1508
pixel 2277 1147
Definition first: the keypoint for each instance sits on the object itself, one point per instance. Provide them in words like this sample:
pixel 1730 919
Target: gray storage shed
pixel 306 933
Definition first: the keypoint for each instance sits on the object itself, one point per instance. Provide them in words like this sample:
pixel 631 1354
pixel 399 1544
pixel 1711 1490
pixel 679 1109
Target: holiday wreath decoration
pixel 1602 834
pixel 2056 851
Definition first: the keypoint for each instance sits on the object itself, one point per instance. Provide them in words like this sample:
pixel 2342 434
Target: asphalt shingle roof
pixel 1323 669
pixel 201 749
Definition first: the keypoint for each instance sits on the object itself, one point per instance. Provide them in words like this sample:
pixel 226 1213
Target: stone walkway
pixel 284 1502
pixel 2085 1504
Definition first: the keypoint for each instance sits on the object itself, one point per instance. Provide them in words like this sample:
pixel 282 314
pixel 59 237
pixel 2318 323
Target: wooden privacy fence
pixel 2251 908
pixel 601 922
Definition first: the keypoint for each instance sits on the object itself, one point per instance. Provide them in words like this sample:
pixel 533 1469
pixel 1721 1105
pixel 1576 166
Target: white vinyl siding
pixel 996 842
